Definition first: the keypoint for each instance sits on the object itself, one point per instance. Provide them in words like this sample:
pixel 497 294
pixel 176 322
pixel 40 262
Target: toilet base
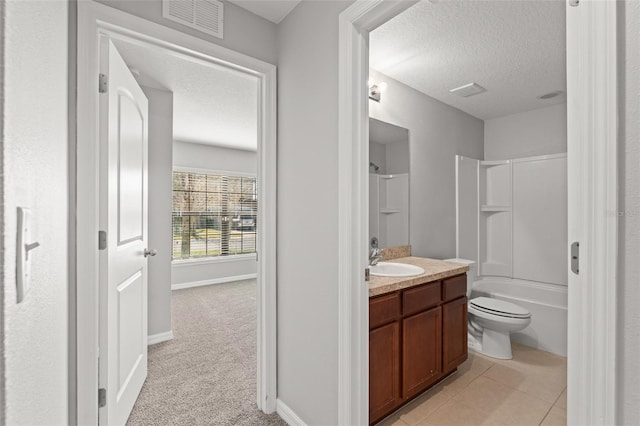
pixel 496 344
pixel 474 342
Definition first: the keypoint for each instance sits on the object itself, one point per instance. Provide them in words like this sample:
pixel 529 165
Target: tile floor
pixel 530 389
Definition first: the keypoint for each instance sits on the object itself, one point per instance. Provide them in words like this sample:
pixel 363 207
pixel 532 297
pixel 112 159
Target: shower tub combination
pixel 512 222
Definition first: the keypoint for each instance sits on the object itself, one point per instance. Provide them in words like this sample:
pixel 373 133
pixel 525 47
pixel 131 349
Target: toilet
pixel 491 321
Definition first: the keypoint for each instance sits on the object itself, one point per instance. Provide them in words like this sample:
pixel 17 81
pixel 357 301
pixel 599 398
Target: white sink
pixel 391 269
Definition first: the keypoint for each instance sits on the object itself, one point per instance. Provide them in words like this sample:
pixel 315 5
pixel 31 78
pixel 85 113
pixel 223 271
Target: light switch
pixel 25 245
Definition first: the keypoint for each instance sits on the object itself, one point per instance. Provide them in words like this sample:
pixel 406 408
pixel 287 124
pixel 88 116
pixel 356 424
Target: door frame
pixel 95 19
pixel 592 152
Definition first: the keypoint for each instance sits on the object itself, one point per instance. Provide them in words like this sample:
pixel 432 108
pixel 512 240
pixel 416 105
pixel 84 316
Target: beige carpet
pixel 206 375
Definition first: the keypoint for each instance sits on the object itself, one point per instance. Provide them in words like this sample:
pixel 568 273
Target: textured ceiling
pixel 273 10
pixel 514 49
pixel 212 105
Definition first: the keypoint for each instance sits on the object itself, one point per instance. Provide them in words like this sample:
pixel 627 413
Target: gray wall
pixel 437 132
pixel 208 157
pixel 160 167
pixel 392 158
pixel 308 211
pixel 3 416
pixel 35 173
pixel 398 157
pixel 378 156
pixel 223 160
pixel 539 132
pixel 629 242
pixel 244 32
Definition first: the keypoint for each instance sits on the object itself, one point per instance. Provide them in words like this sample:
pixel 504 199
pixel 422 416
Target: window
pixel 213 215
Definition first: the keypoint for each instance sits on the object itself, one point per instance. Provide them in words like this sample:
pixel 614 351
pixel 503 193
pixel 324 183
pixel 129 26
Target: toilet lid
pixel 499 307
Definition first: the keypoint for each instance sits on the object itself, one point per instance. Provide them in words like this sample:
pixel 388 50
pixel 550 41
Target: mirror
pixel 388 184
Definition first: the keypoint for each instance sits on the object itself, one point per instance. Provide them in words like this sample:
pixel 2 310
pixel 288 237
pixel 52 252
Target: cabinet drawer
pixel 454 287
pixel 420 298
pixel 383 309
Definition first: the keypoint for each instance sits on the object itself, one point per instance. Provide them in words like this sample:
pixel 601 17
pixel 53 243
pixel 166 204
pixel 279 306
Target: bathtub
pixel 546 302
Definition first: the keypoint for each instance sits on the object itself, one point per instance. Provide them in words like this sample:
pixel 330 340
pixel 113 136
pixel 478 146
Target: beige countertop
pixel 433 270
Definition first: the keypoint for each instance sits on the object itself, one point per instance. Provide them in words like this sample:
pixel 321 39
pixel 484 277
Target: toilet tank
pixel 471 274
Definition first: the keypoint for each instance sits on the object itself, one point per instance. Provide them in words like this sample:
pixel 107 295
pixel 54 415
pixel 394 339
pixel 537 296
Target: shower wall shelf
pixel 389 209
pixel 491 163
pixel 494 209
pixel 511 217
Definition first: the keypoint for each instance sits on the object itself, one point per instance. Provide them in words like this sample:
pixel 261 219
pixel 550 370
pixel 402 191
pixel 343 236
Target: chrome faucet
pixel 375 254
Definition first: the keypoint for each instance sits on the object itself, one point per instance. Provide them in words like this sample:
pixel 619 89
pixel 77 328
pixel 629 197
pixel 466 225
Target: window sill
pixel 213 260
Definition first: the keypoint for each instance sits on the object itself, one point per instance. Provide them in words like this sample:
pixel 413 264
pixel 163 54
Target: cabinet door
pixel 454 334
pixel 384 370
pixel 421 351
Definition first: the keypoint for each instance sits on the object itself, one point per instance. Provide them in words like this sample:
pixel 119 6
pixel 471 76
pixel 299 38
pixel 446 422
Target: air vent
pixel 468 90
pixel 202 15
pixel 550 95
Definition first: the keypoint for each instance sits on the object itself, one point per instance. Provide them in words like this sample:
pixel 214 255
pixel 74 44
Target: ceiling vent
pixel 202 15
pixel 550 95
pixel 467 90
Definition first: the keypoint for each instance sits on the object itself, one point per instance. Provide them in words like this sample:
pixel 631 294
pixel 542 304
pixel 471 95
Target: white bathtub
pixel 546 302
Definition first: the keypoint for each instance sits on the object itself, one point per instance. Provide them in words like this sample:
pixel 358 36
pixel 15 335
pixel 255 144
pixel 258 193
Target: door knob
pixel 151 252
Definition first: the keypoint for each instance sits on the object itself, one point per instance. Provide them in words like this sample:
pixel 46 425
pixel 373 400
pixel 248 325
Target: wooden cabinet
pixel 384 309
pixel 384 370
pixel 417 336
pixel 454 334
pixel 421 351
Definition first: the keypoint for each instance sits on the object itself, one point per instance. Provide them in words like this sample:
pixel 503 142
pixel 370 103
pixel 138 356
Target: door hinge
pixel 102 240
pixel 574 3
pixel 367 272
pixel 103 83
pixel 575 258
pixel 102 397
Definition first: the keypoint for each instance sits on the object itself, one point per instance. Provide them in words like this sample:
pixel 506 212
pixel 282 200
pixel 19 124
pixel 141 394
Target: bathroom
pixel 486 176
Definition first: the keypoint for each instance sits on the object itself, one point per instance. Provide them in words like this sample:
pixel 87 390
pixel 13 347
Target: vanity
pixel 417 332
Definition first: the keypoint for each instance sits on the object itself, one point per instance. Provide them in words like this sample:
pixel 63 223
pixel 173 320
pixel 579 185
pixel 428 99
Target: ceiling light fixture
pixel 550 95
pixel 376 89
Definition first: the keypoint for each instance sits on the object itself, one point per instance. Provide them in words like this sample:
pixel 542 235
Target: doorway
pixel 96 21
pixel 591 40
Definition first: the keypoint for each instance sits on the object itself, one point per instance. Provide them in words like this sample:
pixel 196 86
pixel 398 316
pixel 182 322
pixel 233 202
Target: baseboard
pixel 223 280
pixel 159 338
pixel 288 415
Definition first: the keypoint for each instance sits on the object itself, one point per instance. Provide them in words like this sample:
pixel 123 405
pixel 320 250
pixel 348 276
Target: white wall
pixel 437 132
pixel 213 158
pixel 160 168
pixel 244 32
pixel 629 214
pixel 527 134
pixel 35 170
pixel 308 211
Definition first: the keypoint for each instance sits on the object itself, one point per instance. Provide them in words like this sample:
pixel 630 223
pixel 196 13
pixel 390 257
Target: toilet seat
pixel 499 307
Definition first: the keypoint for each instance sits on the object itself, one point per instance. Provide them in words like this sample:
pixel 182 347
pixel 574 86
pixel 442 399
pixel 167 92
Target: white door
pixel 123 215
